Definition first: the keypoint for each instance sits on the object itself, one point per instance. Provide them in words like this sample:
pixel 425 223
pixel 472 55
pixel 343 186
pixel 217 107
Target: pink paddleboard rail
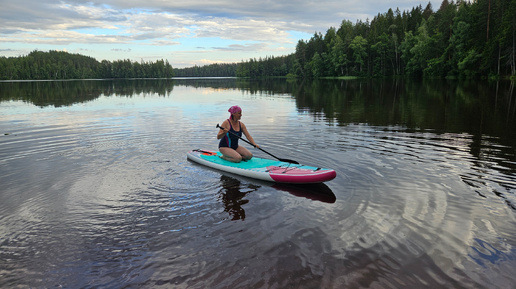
pixel 300 175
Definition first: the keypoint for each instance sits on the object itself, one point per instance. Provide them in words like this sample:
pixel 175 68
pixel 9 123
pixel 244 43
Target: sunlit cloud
pixel 208 61
pixel 177 30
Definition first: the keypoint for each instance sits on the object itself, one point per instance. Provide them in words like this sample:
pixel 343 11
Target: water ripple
pixel 106 198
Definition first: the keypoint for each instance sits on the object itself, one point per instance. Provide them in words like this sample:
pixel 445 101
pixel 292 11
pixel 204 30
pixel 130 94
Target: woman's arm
pixel 248 135
pixel 223 130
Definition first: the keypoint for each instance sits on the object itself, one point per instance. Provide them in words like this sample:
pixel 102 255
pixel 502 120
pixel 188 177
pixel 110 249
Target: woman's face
pixel 237 115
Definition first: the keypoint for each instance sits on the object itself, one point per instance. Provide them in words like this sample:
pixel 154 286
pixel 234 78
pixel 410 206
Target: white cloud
pixel 207 61
pixel 63 37
pixel 242 29
pixel 184 27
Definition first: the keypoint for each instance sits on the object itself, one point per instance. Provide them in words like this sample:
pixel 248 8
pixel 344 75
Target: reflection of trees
pixel 232 195
pixel 441 106
pixel 485 111
pixel 265 86
pixel 65 93
pixel 45 93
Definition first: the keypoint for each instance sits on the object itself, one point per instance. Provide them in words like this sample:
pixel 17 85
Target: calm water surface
pixel 96 190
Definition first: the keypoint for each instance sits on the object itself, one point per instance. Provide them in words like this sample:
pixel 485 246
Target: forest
pixel 462 39
pixel 39 65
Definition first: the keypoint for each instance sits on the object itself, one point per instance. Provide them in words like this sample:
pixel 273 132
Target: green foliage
pixel 358 46
pixel 316 65
pixel 462 39
pixel 53 64
pixel 213 70
pixel 467 65
pixel 268 67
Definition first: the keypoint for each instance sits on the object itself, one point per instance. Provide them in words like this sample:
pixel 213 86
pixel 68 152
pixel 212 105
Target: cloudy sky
pixel 186 33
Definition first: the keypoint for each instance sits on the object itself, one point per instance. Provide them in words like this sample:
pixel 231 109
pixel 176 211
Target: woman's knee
pixel 247 156
pixel 237 158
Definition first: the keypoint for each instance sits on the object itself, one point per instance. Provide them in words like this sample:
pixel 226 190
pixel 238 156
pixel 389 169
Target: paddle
pixel 282 160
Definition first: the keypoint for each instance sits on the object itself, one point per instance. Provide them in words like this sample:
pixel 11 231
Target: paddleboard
pixel 264 169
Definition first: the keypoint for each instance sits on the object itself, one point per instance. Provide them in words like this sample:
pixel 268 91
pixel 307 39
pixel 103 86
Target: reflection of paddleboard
pixel 317 192
pixel 264 169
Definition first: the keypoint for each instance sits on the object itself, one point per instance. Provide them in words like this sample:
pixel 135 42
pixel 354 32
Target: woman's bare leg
pixel 245 153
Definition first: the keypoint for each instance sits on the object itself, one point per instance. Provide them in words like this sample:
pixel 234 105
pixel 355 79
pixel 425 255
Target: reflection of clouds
pixel 410 201
pixel 406 209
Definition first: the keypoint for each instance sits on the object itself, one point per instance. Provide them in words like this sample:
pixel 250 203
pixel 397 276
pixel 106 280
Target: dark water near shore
pixel 96 190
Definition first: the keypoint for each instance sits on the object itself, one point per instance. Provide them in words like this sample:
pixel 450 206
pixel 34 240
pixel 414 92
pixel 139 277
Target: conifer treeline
pixel 39 65
pixel 211 70
pixel 463 39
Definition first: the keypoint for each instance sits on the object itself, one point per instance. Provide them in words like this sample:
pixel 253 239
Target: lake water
pixel 96 190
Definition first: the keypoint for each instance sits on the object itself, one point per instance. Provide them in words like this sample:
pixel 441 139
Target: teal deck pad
pixel 253 163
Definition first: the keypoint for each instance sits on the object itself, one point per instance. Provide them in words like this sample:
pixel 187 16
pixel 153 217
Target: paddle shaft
pixel 283 160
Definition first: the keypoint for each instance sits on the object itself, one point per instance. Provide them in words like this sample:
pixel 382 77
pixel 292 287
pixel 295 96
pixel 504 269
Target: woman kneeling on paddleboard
pixel 228 144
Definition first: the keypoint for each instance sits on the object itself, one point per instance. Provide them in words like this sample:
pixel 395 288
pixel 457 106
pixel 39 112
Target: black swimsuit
pixel 230 140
